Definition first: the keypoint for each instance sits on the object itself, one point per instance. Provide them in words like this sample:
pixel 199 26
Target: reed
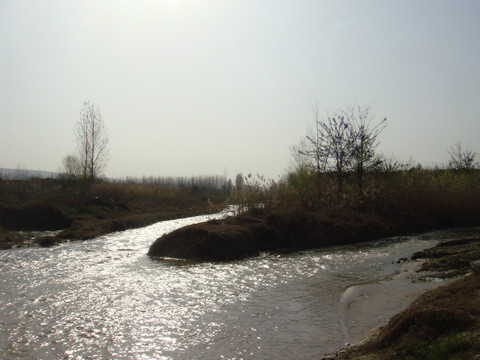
pixel 428 198
pixel 76 198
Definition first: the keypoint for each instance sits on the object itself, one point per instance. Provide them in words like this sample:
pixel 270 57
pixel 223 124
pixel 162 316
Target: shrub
pixel 427 198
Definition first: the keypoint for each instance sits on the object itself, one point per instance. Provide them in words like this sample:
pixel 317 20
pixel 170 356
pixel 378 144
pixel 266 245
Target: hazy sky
pixel 213 87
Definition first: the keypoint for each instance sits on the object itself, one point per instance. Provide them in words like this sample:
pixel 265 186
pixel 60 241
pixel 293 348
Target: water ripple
pixel 105 298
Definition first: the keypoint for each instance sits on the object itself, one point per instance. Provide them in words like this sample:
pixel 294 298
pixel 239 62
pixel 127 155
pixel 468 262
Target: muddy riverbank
pixel 48 228
pixel 75 210
pixel 252 233
pixel 443 323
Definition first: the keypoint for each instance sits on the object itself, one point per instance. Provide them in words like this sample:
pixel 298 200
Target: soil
pixel 280 232
pixel 444 323
pixel 48 227
pixel 211 241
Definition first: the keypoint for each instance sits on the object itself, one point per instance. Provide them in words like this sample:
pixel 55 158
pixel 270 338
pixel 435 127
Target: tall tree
pixel 336 146
pixel 364 139
pixel 316 144
pixel 92 140
pixel 330 146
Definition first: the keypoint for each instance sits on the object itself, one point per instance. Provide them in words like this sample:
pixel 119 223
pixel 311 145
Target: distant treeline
pixel 215 182
pixel 23 174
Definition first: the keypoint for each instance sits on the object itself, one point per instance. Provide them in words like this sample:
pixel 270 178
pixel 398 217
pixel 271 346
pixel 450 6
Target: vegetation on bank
pixel 340 179
pixel 85 210
pixel 306 212
pixel 424 198
pixel 341 192
pixel 340 174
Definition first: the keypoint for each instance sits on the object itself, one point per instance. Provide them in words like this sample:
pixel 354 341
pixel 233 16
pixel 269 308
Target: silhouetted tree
pixel 314 145
pixel 336 146
pixel 345 142
pixel 330 146
pixel 364 140
pixel 462 159
pixel 92 140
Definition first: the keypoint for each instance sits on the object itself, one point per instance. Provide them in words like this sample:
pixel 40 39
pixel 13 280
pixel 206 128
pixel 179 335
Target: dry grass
pixel 115 196
pixel 416 198
pixel 94 209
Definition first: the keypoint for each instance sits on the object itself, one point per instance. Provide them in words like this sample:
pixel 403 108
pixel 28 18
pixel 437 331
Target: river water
pixel 104 298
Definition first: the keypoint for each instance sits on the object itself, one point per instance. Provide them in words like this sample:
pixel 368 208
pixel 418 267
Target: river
pixel 104 298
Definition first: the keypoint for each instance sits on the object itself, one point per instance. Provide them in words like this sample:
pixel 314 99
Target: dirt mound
pixel 36 217
pixel 211 241
pixel 216 240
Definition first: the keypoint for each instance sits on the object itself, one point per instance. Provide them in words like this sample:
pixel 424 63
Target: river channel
pixel 105 299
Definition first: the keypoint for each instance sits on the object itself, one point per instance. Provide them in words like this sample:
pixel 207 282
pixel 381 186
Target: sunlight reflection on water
pixel 105 298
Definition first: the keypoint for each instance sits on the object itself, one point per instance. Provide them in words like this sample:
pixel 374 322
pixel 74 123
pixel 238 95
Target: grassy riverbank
pixel 410 199
pixel 443 324
pixel 308 212
pixel 84 211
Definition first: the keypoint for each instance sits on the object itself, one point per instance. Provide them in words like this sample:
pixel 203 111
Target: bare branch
pixel 462 159
pixel 92 141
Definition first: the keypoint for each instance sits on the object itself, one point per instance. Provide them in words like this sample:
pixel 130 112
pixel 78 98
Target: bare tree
pixel 330 146
pixel 316 146
pixel 345 142
pixel 462 159
pixel 336 146
pixel 364 140
pixel 92 140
